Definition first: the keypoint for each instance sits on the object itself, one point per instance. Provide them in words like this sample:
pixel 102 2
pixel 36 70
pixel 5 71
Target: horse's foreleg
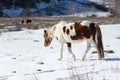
pixel 87 49
pixel 61 52
pixel 70 51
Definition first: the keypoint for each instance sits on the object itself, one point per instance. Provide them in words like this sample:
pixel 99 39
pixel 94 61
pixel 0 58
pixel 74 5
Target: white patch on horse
pixel 72 32
pixel 58 31
pixel 85 23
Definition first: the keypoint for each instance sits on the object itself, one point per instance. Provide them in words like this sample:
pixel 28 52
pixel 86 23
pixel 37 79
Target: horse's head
pixel 47 38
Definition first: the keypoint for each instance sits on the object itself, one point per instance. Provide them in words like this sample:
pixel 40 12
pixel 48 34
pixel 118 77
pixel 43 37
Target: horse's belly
pixel 68 39
pixel 75 41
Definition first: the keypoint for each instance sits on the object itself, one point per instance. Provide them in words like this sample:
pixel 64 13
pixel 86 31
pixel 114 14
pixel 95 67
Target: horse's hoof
pixel 83 59
pixel 99 58
pixel 59 59
pixel 74 58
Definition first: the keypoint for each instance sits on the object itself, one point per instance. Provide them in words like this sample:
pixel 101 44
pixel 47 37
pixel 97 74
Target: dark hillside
pixel 48 7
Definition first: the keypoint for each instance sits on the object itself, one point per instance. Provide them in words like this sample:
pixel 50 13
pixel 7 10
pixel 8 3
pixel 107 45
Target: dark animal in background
pixel 22 21
pixel 28 21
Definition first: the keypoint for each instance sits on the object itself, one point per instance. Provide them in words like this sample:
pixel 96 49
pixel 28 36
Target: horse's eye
pixel 45 35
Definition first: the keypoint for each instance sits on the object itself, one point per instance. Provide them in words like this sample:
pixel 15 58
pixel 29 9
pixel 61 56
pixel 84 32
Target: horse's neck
pixel 56 29
pixel 52 30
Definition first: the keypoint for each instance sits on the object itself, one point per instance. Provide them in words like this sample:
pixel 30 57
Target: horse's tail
pixel 99 42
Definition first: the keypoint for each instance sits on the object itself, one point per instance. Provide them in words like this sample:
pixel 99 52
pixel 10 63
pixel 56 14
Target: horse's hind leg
pixel 87 49
pixel 70 51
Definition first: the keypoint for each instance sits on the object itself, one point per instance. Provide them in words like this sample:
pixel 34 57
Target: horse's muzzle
pixel 47 42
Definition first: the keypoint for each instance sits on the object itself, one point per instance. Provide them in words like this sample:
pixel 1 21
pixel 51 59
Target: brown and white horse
pixel 69 32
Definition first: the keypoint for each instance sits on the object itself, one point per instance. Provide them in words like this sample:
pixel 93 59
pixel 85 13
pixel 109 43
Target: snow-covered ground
pixel 97 1
pixel 86 14
pixel 23 57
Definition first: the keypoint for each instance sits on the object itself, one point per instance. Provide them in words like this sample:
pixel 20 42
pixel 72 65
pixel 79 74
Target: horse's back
pixel 77 31
pixel 68 31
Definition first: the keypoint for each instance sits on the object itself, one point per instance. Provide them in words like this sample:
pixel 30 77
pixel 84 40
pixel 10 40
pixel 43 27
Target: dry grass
pixel 41 22
pixel 75 73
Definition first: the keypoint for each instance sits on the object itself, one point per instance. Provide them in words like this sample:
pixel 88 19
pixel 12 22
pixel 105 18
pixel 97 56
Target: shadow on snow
pixel 112 59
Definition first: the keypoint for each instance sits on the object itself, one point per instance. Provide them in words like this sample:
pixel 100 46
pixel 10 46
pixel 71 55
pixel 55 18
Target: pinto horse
pixel 70 32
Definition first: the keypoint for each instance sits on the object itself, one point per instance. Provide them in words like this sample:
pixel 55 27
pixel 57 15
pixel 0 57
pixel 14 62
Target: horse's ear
pixel 45 31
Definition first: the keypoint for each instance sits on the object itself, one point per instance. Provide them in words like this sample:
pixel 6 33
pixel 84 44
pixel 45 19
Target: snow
pixel 86 14
pixel 23 57
pixel 97 1
pixel 11 27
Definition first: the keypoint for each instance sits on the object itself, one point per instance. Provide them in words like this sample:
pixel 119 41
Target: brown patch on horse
pixel 64 29
pixel 81 32
pixel 71 27
pixel 46 41
pixel 45 31
pixel 86 31
pixel 45 34
pixel 68 31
